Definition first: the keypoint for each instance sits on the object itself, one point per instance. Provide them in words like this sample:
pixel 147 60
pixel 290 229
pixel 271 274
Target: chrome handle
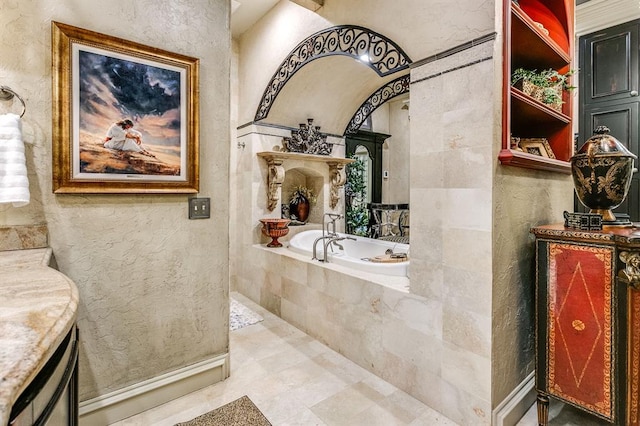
pixel 634 93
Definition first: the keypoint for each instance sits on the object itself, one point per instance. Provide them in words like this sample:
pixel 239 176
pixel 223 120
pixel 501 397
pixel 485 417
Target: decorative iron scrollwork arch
pixel 375 50
pixel 390 90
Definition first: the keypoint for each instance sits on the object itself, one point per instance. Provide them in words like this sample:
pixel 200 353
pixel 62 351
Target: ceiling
pixel 346 77
pixel 245 13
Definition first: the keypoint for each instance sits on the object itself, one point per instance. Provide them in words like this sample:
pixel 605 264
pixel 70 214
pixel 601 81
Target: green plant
pixel 357 214
pixel 547 80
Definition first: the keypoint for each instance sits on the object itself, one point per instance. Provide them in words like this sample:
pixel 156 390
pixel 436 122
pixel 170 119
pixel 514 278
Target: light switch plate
pixel 199 208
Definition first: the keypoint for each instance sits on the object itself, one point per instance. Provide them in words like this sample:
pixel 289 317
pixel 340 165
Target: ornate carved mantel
pixel 276 173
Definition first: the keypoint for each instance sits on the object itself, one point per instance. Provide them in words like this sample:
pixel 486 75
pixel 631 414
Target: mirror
pixel 363 155
pixel 377 190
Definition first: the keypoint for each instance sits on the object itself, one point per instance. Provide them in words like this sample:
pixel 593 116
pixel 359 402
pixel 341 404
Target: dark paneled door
pixel 372 141
pixel 609 95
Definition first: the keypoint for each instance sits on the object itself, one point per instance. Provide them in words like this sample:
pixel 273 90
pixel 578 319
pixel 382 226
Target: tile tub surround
pixel 38 306
pixel 377 323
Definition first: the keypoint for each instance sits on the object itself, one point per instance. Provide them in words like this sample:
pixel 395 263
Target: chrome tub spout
pixel 315 247
pixel 326 234
pixel 335 240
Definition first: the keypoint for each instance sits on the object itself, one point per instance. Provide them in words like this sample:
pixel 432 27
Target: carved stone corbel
pixel 275 178
pixel 631 273
pixel 276 172
pixel 337 178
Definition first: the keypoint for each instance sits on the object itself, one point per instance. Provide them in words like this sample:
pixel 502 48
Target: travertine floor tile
pixel 303 418
pixel 345 405
pixel 297 381
pixel 375 416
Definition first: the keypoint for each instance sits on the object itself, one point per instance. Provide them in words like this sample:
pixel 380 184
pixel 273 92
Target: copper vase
pixel 274 229
pixel 299 210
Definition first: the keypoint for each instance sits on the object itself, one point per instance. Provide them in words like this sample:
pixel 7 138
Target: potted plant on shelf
pixel 545 86
pixel 300 202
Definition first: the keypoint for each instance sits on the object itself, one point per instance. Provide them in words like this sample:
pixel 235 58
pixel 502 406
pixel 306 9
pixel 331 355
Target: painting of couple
pixel 130 118
pixel 126 118
pixel 122 137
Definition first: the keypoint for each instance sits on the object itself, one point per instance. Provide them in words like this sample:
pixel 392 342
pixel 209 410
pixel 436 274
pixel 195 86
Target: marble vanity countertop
pixel 38 306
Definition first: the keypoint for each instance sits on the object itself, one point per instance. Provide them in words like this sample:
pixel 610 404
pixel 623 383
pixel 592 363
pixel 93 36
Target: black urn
pixel 602 171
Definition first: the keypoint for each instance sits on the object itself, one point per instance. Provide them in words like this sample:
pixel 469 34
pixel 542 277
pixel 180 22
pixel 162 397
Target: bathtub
pixel 355 253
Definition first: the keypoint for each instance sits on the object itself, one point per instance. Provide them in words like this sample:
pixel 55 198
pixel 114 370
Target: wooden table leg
pixel 543 409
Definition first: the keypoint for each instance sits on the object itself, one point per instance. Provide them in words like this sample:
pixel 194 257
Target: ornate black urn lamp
pixel 602 171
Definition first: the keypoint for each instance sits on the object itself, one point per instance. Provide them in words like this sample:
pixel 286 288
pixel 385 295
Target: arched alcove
pixel 361 62
pixel 392 89
pixel 308 178
pixel 338 76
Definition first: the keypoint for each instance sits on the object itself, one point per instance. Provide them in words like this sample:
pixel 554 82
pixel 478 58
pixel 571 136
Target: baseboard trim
pixel 516 404
pixel 139 397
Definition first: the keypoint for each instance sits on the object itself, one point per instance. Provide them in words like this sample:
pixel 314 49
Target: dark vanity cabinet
pixel 588 321
pixel 52 397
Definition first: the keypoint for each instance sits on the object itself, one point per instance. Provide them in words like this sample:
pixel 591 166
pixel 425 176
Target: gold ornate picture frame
pixel 536 146
pixel 125 116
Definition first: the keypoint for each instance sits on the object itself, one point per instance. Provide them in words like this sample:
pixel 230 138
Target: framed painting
pixel 536 146
pixel 125 116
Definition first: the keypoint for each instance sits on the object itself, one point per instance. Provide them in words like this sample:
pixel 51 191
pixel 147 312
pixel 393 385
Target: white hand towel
pixel 14 183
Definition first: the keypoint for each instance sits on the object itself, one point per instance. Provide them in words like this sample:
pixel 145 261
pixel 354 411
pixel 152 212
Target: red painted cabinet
pixel 588 321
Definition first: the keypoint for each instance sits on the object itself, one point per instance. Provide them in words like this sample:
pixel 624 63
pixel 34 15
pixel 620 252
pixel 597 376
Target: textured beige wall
pixel 522 199
pixel 153 285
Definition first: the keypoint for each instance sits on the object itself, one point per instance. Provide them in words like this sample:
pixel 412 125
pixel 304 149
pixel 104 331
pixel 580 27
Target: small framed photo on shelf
pixel 536 146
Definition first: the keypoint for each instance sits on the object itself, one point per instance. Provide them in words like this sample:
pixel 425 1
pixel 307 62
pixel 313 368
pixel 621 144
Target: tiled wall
pixel 452 137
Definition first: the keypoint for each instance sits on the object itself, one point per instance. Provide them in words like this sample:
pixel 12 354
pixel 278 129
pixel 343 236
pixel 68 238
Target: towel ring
pixel 6 94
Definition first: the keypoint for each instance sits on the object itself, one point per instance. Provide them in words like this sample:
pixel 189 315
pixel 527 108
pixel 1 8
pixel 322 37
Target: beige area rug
pixel 241 412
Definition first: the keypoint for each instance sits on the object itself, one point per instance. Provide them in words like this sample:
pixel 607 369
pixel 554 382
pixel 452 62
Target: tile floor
pixel 295 380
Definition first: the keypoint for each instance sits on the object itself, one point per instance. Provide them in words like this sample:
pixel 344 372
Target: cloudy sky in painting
pixel 112 89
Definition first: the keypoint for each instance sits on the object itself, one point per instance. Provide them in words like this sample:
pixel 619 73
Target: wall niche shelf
pixel 528 45
pixel 276 173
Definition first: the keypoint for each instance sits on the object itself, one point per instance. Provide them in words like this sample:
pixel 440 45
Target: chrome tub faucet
pixel 326 234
